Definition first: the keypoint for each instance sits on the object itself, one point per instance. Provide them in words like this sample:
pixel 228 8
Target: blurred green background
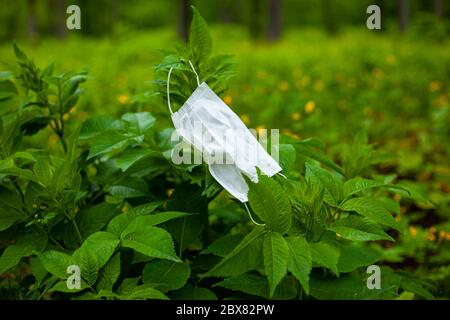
pixel 309 68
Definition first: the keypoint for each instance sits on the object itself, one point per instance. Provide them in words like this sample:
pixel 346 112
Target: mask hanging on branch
pixel 228 147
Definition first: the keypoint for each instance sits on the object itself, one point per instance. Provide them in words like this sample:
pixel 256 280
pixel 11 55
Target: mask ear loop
pixel 250 216
pixel 168 84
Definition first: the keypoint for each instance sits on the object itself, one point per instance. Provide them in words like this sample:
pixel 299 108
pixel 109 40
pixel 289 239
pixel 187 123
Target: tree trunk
pixel 438 8
pixel 58 11
pixel 275 23
pixel 327 16
pixel 183 22
pixel 255 19
pixel 403 14
pixel 31 20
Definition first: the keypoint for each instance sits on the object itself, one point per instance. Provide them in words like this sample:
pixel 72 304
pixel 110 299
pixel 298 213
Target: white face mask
pixel 230 149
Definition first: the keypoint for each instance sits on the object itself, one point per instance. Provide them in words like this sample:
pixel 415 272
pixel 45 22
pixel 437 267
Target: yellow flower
pixel 228 99
pixel 434 86
pixel 53 139
pixel 262 74
pixel 391 59
pixel 319 85
pixel 296 116
pixel 123 98
pixel 413 231
pixel 283 85
pixel 431 237
pixel 245 119
pixel 259 129
pixel 310 106
pixel 66 117
pixel 378 73
pixel 170 192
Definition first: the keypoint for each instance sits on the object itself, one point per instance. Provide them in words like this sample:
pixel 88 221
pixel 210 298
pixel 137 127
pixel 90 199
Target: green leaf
pixel 24 247
pixel 19 53
pixel 151 220
pixel 8 217
pixel 130 187
pixel 416 288
pixel 119 223
pixel 107 142
pixel 354 256
pixel 271 203
pixel 371 209
pixel 331 184
pixel 95 126
pixel 358 229
pixel 151 241
pixel 307 148
pixel 200 41
pixel 93 254
pixel 358 184
pixel 276 254
pixel 166 275
pixel 223 246
pixel 143 292
pixel 95 217
pixel 56 263
pixel 246 256
pixel 132 155
pixel 326 255
pixel 109 274
pixel 138 123
pixel 287 156
pixel 348 287
pixel 257 285
pixel 189 292
pixel 300 260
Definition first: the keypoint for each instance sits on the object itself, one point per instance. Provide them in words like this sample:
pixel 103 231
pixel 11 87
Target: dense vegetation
pixel 86 176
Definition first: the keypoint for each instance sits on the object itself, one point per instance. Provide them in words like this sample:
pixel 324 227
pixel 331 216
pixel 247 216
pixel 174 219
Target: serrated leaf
pixel 189 292
pixel 325 255
pixel 24 247
pixel 271 203
pixel 166 275
pixel 276 254
pixel 56 263
pixel 132 155
pixel 151 220
pixel 107 142
pixel 121 222
pixel 151 241
pixel 144 292
pixel 200 41
pixel 300 260
pixel 358 229
pixel 138 123
pixel 372 209
pixel 246 256
pixel 331 184
pixel 355 256
pixel 287 156
pixel 93 127
pixel 8 217
pixel 109 274
pixel 93 254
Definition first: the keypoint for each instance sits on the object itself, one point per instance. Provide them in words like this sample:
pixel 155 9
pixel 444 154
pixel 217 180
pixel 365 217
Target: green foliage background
pixel 86 179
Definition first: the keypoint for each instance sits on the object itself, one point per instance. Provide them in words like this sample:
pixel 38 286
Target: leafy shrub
pixel 139 227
